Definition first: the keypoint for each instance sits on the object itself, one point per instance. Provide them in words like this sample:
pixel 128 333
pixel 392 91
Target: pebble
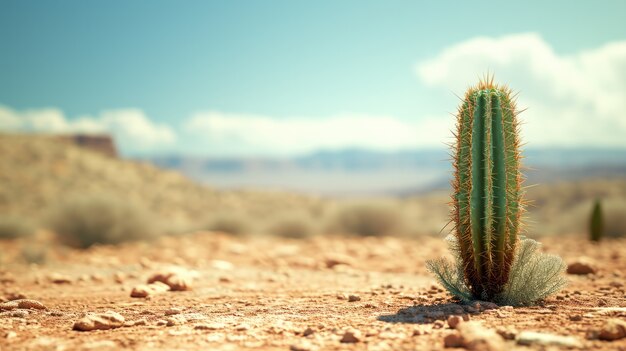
pixel 58 278
pixel 10 335
pixel 175 320
pixel 210 326
pixel 613 329
pixel 23 304
pixel 302 346
pixel 176 278
pixel 529 338
pixel 454 321
pixel 576 318
pixel 351 336
pixel 581 267
pixel 100 321
pixel 145 290
pixel 172 311
pixel 473 336
pixel 353 298
pixel 308 331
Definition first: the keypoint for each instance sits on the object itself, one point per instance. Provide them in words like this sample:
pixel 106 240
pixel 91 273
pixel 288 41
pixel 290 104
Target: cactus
pixel 596 223
pixel 487 206
pixel 487 196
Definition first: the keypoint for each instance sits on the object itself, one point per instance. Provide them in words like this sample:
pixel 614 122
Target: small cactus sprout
pixel 596 223
pixel 487 206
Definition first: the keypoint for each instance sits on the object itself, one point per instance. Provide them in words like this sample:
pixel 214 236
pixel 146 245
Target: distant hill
pixel 37 172
pixel 363 172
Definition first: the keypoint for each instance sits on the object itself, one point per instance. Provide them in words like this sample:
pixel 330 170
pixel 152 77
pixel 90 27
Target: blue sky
pixel 228 78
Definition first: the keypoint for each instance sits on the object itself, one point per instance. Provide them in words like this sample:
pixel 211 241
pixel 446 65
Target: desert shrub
pixel 13 227
pixel 615 217
pixel 97 219
pixel 366 219
pixel 533 277
pixel 292 226
pixel 231 223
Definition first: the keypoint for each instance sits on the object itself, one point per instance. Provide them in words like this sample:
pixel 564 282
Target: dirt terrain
pixel 267 293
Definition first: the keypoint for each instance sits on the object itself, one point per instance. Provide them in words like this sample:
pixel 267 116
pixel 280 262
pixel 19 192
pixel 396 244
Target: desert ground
pixel 270 293
pixel 190 267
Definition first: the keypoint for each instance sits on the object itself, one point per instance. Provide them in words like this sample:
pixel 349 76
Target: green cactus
pixel 596 223
pixel 487 206
pixel 487 187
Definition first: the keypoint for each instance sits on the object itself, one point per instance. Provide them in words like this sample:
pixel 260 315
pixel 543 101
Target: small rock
pixel 333 260
pixel 210 326
pixel 19 314
pixel 351 336
pixel 453 321
pixel 529 338
pixel 353 298
pixel 438 324
pixel 10 335
pixel 507 333
pixel 176 278
pixel 302 346
pixel 57 278
pixel 119 277
pixel 576 318
pixel 473 336
pixel 175 320
pixel 172 311
pixel 581 267
pixel 145 290
pixel 308 331
pixel 613 329
pixel 15 296
pixel 342 296
pixel 100 321
pixel 23 304
pixel 242 327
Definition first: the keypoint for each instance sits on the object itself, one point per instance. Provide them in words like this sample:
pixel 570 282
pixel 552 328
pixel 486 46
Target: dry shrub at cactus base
pixel 492 262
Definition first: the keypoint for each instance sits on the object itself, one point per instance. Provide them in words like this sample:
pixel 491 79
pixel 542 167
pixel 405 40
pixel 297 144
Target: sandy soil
pixel 278 294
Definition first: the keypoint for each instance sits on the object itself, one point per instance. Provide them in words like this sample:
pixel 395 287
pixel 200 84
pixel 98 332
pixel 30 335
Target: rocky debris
pixel 178 279
pixel 302 346
pixel 353 298
pixel 333 260
pixel 15 296
pixel 172 311
pixel 506 333
pixel 473 336
pixel 19 314
pixel 99 321
pixel 57 278
pixel 135 323
pixel 581 267
pixel 210 326
pixel 351 336
pixel 613 329
pixel 22 304
pixel 529 338
pixel 454 321
pixel 175 320
pixel 145 290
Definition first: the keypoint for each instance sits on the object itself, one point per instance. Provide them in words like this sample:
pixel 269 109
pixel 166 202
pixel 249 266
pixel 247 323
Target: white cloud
pixel 133 130
pixel 237 133
pixel 574 99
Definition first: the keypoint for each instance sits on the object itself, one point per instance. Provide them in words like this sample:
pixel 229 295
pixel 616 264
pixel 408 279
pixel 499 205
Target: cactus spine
pixel 596 225
pixel 487 199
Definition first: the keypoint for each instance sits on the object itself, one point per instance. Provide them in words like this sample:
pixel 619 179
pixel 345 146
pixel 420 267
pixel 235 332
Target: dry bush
pixel 367 219
pixel 231 223
pixel 98 219
pixel 14 227
pixel 295 226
